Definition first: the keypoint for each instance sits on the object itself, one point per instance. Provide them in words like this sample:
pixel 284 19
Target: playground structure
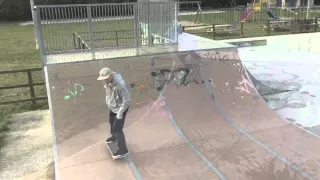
pixel 188 7
pixel 258 8
pixel 255 10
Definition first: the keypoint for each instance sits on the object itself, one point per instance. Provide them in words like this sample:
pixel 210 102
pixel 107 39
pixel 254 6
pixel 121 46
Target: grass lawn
pixel 18 51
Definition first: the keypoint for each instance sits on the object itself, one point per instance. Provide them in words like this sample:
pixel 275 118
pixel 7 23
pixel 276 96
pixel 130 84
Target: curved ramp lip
pixel 242 131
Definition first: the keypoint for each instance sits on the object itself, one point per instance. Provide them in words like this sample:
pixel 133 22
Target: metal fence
pixel 158 19
pixel 90 27
pixel 226 23
pixel 233 15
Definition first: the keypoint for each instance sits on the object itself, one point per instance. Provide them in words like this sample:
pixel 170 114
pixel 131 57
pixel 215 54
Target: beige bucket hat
pixel 104 73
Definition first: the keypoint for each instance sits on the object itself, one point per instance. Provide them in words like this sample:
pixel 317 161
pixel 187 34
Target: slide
pixel 245 15
pixel 285 8
pixel 272 15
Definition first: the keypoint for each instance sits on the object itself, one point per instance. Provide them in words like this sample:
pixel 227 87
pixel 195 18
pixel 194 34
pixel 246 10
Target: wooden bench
pixel 222 28
pixel 275 24
pixel 209 28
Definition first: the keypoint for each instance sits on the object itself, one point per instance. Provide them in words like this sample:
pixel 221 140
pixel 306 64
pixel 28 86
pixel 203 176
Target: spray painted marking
pixel 139 86
pixel 75 92
pixel 243 85
pixel 159 105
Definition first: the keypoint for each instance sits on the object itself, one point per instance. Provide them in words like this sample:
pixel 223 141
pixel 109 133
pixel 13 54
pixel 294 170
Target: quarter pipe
pixel 212 126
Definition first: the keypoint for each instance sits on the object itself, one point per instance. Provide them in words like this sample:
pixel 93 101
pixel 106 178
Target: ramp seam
pixel 265 147
pixel 134 168
pixel 193 147
pixel 185 139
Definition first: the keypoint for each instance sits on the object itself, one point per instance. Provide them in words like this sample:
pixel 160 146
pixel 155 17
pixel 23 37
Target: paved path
pixel 230 135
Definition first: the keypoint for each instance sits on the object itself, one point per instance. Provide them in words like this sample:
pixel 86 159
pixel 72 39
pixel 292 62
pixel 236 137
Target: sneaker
pixel 119 155
pixel 110 139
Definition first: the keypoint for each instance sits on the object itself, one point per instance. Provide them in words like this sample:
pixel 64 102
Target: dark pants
pixel 116 126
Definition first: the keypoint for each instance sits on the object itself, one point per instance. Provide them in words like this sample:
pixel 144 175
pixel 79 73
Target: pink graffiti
pixel 159 106
pixel 243 85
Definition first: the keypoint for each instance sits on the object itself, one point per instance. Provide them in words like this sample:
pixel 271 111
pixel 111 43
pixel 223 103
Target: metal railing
pixel 57 25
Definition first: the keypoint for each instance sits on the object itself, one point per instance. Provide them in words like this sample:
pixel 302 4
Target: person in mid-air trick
pixel 118 101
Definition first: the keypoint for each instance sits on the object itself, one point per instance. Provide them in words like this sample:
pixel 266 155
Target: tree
pixel 14 9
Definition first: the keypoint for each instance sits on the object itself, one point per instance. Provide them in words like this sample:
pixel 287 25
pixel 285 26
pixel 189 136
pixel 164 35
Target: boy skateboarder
pixel 118 101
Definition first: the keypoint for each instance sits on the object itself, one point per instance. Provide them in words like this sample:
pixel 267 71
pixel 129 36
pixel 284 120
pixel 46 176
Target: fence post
pixel 38 29
pixel 33 14
pixel 136 23
pixel 79 43
pixel 176 23
pixel 74 40
pixel 117 42
pixel 268 27
pixel 31 86
pixel 148 26
pixel 241 28
pixel 89 16
pixel 213 31
pixel 316 24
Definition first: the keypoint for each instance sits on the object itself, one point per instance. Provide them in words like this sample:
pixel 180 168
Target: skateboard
pixel 112 146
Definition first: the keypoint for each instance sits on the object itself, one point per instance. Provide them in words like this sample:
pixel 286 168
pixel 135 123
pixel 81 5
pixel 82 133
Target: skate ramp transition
pixel 205 122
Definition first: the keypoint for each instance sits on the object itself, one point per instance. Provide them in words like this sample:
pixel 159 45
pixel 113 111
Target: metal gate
pixel 90 27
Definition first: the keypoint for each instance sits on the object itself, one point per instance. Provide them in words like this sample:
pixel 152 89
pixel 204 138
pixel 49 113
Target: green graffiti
pixel 67 97
pixel 78 88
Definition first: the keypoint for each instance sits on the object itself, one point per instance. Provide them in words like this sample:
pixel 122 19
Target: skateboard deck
pixel 112 146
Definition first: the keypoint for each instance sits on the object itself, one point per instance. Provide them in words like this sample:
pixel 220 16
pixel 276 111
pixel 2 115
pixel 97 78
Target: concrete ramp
pixel 199 125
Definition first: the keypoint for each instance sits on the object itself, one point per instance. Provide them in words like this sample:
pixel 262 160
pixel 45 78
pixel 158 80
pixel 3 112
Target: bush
pixel 19 10
pixel 13 10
